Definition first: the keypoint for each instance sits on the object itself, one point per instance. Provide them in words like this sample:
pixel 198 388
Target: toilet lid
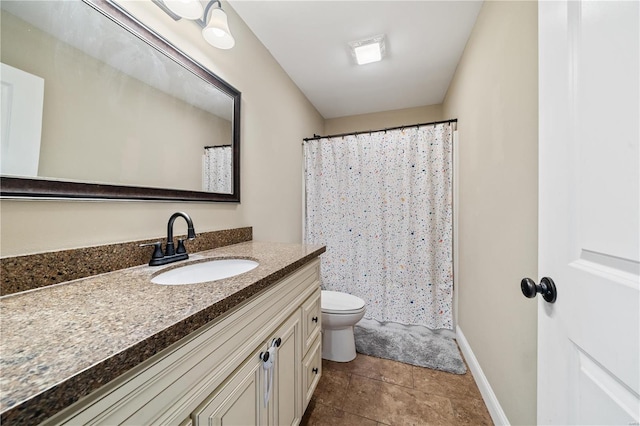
pixel 340 303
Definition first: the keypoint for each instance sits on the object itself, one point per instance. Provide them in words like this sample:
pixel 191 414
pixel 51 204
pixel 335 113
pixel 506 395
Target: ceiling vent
pixel 369 50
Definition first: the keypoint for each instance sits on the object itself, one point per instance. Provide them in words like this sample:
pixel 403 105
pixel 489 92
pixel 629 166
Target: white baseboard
pixel 491 401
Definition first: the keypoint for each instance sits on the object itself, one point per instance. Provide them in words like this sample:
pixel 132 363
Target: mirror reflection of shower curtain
pixel 382 204
pixel 216 169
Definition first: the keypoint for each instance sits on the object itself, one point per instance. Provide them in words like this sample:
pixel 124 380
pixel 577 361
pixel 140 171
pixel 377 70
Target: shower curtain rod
pixel 316 137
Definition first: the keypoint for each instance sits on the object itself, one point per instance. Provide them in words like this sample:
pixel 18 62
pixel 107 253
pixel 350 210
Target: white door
pixel 21 125
pixel 588 340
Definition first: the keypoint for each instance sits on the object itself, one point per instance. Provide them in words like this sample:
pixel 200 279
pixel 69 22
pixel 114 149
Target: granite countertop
pixel 61 342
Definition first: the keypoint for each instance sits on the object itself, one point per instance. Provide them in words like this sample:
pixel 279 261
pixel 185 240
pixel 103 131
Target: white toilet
pixel 340 312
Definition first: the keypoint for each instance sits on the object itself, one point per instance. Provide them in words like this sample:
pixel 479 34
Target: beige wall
pixel 381 120
pixel 275 118
pixel 494 96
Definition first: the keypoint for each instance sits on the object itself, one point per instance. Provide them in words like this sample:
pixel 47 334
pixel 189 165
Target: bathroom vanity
pixel 118 349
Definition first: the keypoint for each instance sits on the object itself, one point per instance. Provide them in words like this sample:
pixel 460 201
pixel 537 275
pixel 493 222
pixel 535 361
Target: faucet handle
pixel 181 249
pixel 157 251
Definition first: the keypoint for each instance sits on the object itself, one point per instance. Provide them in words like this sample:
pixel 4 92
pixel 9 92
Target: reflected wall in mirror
pixel 94 105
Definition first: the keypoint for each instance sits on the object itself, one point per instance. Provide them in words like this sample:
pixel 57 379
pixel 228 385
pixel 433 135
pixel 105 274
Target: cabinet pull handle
pixel 314 319
pixel 315 370
pixel 268 361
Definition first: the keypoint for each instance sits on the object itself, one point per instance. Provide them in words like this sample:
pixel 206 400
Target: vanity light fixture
pixel 216 32
pixel 369 50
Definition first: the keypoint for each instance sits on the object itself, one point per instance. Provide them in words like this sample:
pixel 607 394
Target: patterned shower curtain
pixel 216 167
pixel 382 204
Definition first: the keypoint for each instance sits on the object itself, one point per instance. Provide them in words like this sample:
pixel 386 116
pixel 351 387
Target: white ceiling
pixel 424 42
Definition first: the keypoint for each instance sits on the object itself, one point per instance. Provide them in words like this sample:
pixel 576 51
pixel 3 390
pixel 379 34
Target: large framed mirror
pixel 95 105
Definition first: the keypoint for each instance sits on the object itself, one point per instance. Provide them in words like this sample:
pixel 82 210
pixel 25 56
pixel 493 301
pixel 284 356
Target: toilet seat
pixel 335 302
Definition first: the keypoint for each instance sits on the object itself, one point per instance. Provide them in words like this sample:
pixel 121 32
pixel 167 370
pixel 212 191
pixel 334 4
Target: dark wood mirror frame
pixel 14 187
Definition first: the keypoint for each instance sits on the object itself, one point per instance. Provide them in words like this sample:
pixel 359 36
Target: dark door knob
pixel 546 287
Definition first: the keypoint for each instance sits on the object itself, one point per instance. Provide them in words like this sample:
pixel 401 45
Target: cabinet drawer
pixel 311 371
pixel 311 319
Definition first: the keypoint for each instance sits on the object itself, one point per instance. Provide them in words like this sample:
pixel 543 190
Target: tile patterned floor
pixel 373 391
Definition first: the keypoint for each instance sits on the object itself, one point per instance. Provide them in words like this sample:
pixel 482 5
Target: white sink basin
pixel 201 272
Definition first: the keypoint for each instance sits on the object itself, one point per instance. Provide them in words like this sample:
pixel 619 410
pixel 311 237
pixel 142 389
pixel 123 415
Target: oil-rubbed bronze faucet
pixel 172 254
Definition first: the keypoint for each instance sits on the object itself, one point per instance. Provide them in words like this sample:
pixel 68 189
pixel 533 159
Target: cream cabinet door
pixel 287 401
pixel 238 401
